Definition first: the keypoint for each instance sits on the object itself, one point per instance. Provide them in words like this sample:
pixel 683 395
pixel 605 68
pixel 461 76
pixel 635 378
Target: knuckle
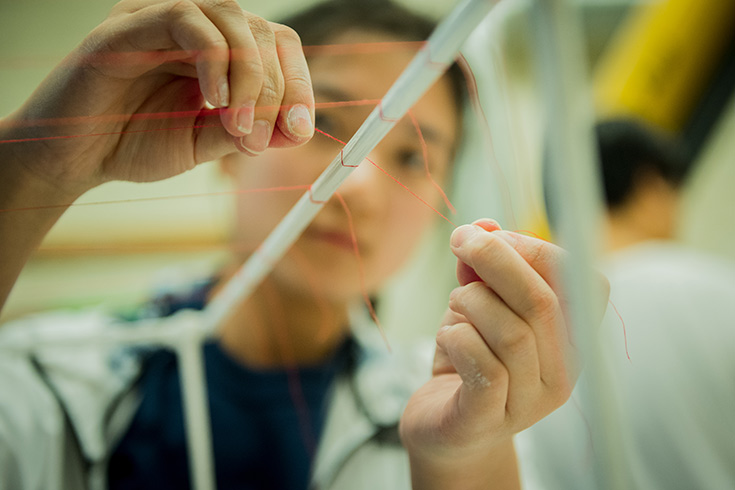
pixel 298 81
pixel 559 392
pixel 454 298
pixel 253 67
pixel 180 8
pixel 226 6
pixel 272 89
pixel 285 34
pixel 486 249
pixel 217 43
pixel 543 304
pixel 518 341
pixel 461 298
pixel 496 373
pixel 261 30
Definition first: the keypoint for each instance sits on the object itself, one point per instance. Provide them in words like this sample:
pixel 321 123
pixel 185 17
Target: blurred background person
pixel 674 394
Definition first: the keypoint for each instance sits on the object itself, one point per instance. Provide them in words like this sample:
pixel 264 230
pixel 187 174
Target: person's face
pixel 388 220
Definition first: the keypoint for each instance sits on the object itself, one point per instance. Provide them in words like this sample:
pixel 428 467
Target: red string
pixel 44 138
pixel 157 58
pixel 425 154
pixel 162 198
pixel 361 270
pixel 113 118
pixel 625 335
pixel 295 387
pixel 529 232
pixel 392 178
pixel 469 77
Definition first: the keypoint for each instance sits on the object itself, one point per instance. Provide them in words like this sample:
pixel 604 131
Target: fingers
pixel 295 121
pixel 465 273
pixel 508 337
pixel 246 63
pixel 252 69
pixel 178 27
pixel 494 259
pixel 484 378
pixel 515 309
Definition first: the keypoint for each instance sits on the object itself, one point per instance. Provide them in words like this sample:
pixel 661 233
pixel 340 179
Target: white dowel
pixel 196 408
pixel 426 67
pixel 577 204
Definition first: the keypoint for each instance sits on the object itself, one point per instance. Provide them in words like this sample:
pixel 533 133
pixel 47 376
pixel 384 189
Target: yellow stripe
pixel 660 59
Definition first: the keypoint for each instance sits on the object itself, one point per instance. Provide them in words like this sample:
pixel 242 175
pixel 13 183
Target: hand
pixel 148 68
pixel 504 358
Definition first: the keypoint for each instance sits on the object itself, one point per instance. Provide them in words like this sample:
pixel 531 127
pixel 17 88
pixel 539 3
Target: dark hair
pixel 627 149
pixel 319 24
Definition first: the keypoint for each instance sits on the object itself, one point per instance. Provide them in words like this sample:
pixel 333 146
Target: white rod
pixel 577 205
pixel 426 67
pixel 196 409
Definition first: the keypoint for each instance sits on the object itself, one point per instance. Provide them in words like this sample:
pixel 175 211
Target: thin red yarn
pixel 361 270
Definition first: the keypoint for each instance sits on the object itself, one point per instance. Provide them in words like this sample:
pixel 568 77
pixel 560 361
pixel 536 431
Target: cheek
pixel 404 227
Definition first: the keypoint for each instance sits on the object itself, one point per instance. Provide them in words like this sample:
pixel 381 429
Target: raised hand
pixel 504 360
pixel 128 103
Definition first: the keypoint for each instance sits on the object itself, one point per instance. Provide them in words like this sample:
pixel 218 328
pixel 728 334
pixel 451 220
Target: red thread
pixel 529 232
pixel 382 115
pixel 311 197
pixel 469 77
pixel 25 140
pixel 160 57
pixel 310 273
pixel 361 270
pixel 161 198
pixel 625 335
pixel 425 154
pixel 114 118
pixel 429 61
pixel 396 181
pixel 292 371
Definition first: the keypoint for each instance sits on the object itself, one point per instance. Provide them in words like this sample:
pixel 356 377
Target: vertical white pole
pixel 196 408
pixel 577 204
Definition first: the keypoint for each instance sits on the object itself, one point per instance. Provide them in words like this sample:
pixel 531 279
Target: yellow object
pixel 661 58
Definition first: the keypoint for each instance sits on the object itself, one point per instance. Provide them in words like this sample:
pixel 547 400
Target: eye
pixel 325 122
pixel 412 160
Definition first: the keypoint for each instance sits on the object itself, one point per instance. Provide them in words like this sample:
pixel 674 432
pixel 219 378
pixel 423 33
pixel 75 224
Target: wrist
pixel 494 467
pixel 23 188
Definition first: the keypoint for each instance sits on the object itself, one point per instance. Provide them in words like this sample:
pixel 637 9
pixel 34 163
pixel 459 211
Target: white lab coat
pixel 63 409
pixel 676 395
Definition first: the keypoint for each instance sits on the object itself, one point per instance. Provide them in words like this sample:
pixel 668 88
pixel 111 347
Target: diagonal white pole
pixel 576 194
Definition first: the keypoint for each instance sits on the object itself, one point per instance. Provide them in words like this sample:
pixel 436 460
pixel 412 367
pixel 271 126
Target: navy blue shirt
pixel 265 424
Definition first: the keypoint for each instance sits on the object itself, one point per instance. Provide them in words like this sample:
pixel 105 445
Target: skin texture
pixel 505 359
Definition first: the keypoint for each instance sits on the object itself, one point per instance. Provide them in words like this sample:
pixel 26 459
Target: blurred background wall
pixel 117 253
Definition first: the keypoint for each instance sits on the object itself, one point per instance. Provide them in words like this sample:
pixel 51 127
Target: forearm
pixel 29 206
pixel 493 470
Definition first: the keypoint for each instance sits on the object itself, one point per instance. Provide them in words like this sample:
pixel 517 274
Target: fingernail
pixel 487 224
pixel 245 117
pixel 258 139
pixel 223 92
pixel 462 233
pixel 299 121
